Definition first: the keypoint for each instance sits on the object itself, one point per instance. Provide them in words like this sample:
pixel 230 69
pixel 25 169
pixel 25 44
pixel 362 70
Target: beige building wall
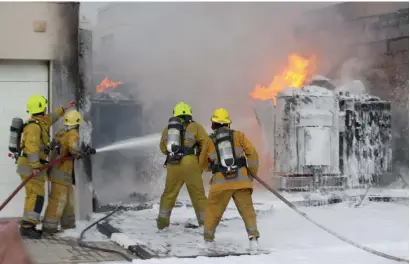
pixel 30 30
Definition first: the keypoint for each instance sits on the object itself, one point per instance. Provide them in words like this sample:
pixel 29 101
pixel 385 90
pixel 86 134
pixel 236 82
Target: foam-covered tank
pixel 365 139
pixel 306 129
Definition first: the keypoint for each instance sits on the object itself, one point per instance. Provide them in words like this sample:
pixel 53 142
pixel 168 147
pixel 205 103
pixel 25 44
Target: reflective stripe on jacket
pixel 194 134
pixel 35 141
pixel 68 142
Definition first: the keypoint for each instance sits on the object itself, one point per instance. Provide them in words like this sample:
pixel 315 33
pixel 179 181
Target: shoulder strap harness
pixel 237 163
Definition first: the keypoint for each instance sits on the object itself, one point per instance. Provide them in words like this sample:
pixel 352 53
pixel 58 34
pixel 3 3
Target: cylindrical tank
pixel 16 129
pixel 306 129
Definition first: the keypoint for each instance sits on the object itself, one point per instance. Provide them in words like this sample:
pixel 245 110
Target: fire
pixel 294 75
pixel 107 84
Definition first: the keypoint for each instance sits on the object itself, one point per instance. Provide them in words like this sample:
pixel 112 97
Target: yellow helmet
pixel 221 116
pixel 36 104
pixel 73 118
pixel 182 108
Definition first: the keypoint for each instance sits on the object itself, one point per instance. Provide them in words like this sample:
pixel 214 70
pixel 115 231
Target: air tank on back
pixel 16 129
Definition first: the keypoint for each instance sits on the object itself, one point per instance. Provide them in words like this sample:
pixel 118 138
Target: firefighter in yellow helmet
pixel 60 208
pixel 231 157
pixel 35 147
pixel 181 141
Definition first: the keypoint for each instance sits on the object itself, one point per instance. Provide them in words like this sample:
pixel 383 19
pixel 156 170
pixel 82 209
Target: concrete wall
pixel 65 54
pixel 84 180
pixel 57 42
pixel 18 25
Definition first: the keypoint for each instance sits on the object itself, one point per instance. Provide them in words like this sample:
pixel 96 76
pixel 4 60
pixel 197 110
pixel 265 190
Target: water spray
pixel 132 143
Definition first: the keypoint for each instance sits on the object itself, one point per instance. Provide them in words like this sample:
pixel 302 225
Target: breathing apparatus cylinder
pixel 225 148
pixel 16 130
pixel 174 135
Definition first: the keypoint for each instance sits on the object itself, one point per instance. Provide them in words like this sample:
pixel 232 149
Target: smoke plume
pixel 211 55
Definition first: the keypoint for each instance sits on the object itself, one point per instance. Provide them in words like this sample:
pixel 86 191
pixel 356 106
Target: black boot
pixel 30 232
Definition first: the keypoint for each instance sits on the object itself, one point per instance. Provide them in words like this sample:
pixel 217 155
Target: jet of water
pixel 138 142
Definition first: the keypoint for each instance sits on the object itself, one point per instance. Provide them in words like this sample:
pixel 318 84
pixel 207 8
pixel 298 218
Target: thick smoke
pixel 211 55
pixel 208 54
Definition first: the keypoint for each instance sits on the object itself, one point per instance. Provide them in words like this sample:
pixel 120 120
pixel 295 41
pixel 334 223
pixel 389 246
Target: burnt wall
pixel 82 95
pixel 85 67
pixel 87 199
pixel 69 81
pixel 65 68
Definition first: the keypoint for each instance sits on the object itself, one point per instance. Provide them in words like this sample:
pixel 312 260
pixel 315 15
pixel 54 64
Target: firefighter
pixel 60 208
pixel 181 141
pixel 35 147
pixel 232 159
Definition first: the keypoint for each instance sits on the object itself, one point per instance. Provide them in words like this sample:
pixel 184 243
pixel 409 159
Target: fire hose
pixel 83 244
pixel 263 183
pixel 80 240
pixel 23 183
pixel 342 238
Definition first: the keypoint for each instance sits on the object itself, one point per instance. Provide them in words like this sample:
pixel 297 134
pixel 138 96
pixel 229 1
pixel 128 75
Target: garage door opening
pixel 19 79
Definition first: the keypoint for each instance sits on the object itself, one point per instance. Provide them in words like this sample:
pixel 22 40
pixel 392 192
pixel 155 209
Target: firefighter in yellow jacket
pixel 60 208
pixel 231 157
pixel 35 147
pixel 181 141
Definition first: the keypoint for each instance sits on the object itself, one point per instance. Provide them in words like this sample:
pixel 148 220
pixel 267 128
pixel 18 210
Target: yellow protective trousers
pixel 178 175
pixel 216 205
pixel 33 202
pixel 60 208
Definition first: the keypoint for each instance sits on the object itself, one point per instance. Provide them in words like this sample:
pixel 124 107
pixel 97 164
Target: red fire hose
pixel 51 163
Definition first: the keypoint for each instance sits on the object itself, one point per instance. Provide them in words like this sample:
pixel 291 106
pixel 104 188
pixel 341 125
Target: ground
pixel 290 238
pixel 55 250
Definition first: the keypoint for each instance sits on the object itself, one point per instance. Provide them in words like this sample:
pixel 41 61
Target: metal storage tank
pixel 115 118
pixel 306 129
pixel 365 139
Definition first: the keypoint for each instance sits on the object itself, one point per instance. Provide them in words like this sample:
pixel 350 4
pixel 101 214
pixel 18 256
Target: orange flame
pixel 294 75
pixel 107 84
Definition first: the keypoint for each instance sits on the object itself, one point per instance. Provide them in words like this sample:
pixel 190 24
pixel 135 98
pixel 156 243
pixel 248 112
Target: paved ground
pixel 55 250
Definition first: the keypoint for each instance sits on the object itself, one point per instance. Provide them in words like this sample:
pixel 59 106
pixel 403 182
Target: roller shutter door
pixel 19 80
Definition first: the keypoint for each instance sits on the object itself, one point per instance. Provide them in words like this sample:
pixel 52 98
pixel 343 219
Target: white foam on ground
pixel 122 240
pixel 382 226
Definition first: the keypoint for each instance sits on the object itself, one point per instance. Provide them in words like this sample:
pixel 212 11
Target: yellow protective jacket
pixel 35 142
pixel 194 134
pixel 243 148
pixel 68 145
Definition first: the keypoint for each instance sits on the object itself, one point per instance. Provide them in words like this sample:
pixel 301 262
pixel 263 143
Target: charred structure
pixel 114 117
pixel 329 139
pixel 365 150
pixel 372 44
pixel 306 125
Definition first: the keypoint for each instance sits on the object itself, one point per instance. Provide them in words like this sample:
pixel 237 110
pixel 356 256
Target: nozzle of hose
pixel 89 150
